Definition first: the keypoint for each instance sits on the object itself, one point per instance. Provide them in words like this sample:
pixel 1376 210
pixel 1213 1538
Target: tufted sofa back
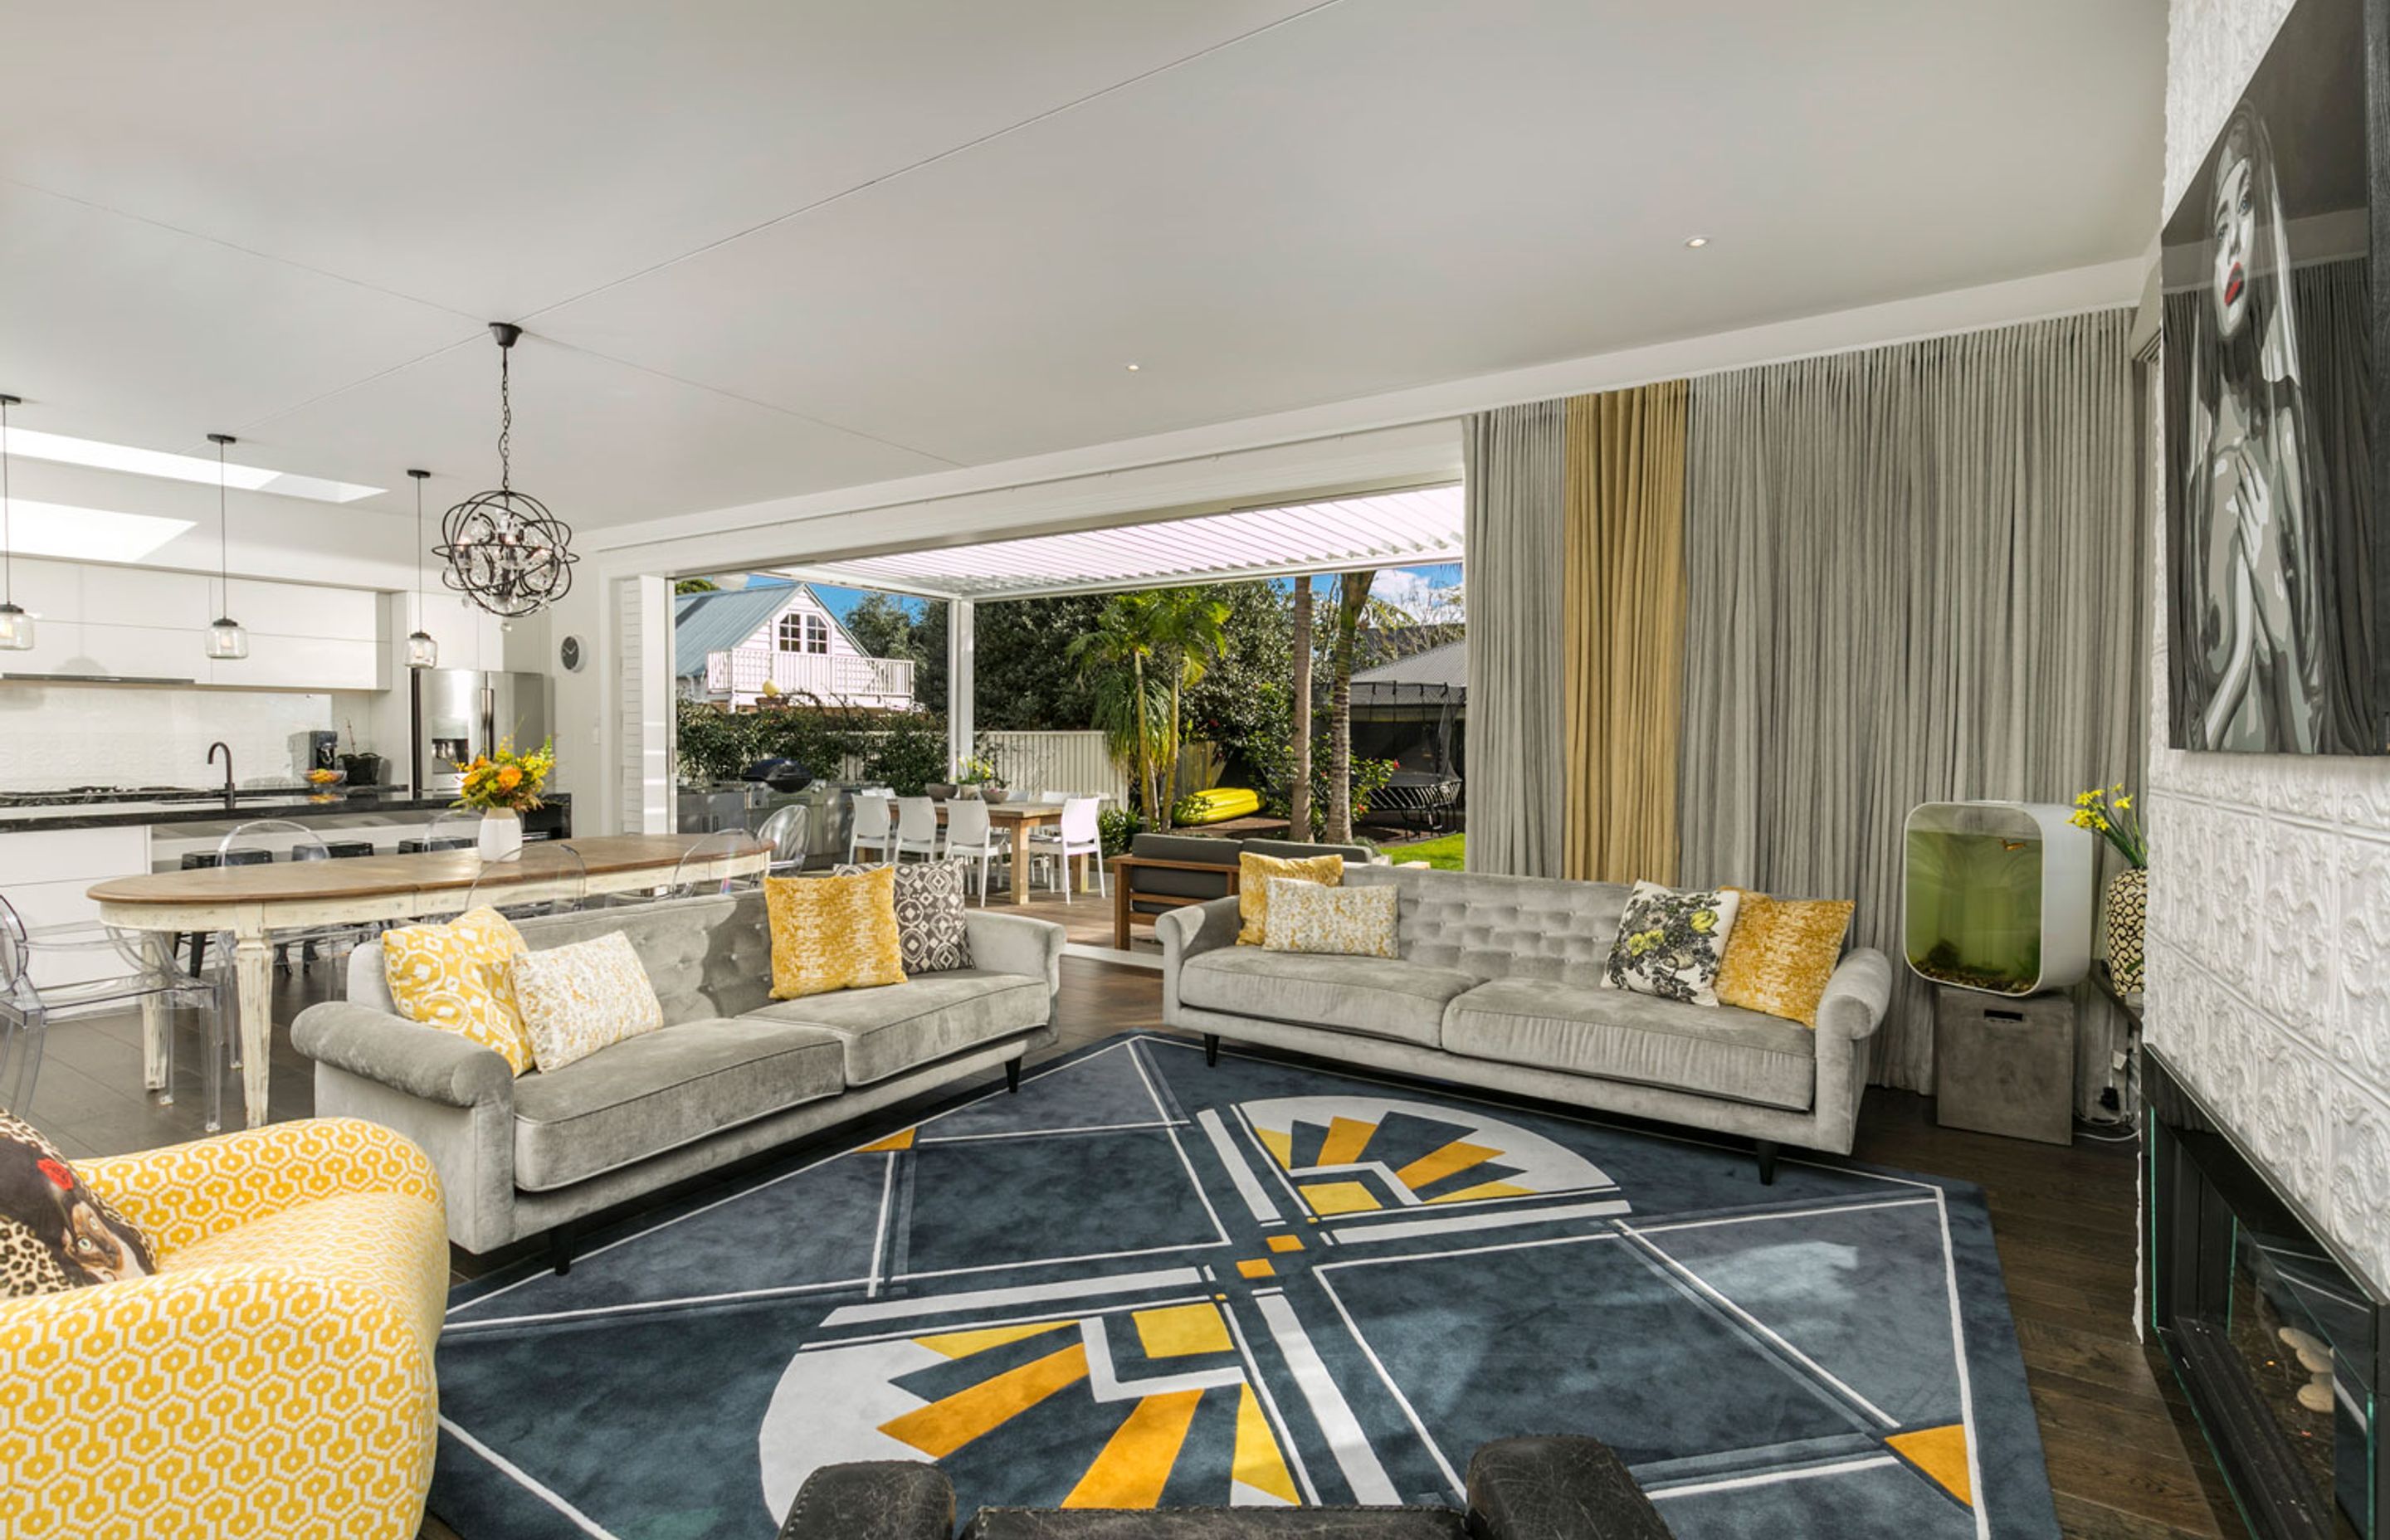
pixel 1502 927
pixel 707 956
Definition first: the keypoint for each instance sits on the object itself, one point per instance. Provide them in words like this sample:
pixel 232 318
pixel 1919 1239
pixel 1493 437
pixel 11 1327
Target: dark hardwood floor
pixel 2124 1458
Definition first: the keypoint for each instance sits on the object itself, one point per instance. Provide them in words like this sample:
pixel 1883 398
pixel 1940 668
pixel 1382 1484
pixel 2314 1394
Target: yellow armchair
pixel 273 1378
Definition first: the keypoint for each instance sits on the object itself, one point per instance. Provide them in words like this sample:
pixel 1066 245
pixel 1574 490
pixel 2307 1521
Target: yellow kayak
pixel 1218 805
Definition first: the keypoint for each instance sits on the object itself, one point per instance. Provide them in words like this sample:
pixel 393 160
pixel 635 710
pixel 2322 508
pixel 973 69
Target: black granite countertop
pixel 269 802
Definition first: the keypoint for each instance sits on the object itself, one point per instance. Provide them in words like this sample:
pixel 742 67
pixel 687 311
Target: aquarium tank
pixel 1996 896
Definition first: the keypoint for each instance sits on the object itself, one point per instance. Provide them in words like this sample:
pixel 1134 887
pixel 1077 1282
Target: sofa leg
pixel 1211 1049
pixel 1012 1075
pixel 1766 1150
pixel 560 1250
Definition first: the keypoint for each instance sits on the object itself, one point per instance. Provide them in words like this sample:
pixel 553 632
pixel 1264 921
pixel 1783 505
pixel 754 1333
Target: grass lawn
pixel 1443 854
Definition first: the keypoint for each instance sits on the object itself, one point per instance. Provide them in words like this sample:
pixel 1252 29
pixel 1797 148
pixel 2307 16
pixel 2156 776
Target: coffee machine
pixel 320 749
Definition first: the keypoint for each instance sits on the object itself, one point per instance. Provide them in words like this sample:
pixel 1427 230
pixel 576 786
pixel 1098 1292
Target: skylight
pixel 87 534
pixel 102 455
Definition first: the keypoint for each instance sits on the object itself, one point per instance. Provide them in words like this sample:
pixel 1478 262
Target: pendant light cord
pixel 223 538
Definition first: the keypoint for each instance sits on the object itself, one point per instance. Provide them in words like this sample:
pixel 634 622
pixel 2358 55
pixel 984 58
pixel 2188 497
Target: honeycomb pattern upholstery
pixel 1502 927
pixel 274 1377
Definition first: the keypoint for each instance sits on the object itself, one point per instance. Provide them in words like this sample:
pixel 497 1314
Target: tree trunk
pixel 1170 770
pixel 1298 797
pixel 1144 743
pixel 1352 599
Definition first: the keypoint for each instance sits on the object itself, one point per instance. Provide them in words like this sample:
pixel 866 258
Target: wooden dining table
pixel 1022 819
pixel 255 902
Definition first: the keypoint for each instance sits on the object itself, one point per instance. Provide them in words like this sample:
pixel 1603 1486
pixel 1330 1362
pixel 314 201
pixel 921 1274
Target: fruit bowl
pixel 323 780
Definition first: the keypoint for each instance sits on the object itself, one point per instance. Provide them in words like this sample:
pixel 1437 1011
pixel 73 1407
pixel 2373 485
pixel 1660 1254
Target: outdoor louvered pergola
pixel 1416 527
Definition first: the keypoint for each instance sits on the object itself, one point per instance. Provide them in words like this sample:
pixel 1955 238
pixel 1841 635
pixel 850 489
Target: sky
pixel 1431 594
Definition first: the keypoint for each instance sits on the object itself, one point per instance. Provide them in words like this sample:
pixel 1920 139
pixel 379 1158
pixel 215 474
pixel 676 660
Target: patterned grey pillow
pixel 929 914
pixel 1670 943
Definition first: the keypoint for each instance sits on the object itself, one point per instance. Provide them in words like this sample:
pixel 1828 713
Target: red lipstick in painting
pixel 2232 285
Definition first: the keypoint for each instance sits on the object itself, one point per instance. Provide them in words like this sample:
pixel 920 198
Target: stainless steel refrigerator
pixel 463 712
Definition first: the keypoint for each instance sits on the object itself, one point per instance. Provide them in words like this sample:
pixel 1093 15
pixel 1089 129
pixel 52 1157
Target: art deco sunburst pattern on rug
pixel 1142 1282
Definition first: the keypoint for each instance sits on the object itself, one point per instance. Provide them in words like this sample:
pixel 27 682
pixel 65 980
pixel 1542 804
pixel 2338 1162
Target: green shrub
pixel 1117 827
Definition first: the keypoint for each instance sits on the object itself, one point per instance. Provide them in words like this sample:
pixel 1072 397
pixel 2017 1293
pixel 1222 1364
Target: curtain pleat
pixel 1516 458
pixel 1623 602
pixel 1915 574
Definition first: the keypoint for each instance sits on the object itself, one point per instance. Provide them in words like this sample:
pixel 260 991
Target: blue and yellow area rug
pixel 1142 1282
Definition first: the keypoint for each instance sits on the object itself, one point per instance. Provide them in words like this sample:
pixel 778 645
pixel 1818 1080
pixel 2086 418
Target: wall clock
pixel 567 652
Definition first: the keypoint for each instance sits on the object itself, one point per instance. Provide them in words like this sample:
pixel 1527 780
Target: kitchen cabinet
pixel 44 874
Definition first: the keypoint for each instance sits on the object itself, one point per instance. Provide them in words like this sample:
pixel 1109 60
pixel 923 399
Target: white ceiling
pixel 763 249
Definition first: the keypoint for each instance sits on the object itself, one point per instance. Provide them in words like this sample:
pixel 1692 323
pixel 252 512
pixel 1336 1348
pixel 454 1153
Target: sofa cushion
pixel 1370 995
pixel 1714 1050
pixel 886 1031
pixel 1495 927
pixel 664 1089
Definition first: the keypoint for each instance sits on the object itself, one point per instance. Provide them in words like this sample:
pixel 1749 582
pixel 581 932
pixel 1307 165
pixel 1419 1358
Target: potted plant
pixel 978 778
pixel 2109 812
pixel 502 787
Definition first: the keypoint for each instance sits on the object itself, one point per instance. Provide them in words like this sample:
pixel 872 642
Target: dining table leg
pixel 253 983
pixel 158 1018
pixel 1021 862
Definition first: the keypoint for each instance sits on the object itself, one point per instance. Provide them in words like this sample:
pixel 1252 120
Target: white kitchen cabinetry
pixel 44 873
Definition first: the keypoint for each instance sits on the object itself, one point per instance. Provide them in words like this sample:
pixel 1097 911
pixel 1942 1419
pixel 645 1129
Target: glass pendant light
pixel 16 626
pixel 226 640
pixel 422 652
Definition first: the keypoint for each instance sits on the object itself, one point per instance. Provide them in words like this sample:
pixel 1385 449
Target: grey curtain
pixel 1516 460
pixel 1917 574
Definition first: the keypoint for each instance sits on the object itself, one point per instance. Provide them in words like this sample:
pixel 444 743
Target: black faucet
pixel 229 806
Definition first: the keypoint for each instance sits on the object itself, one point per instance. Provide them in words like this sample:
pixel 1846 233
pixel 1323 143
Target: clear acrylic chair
pixel 458 829
pixel 917 828
pixel 691 878
pixel 786 831
pixel 551 865
pixel 874 827
pixel 972 838
pixel 261 841
pixel 95 971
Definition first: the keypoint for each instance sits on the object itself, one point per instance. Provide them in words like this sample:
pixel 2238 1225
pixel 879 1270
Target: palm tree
pixel 1131 700
pixel 1352 602
pixel 1298 795
pixel 1191 634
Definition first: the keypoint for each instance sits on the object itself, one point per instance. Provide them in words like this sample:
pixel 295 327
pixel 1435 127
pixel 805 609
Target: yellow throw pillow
pixel 833 932
pixel 1780 954
pixel 580 998
pixel 459 977
pixel 1253 873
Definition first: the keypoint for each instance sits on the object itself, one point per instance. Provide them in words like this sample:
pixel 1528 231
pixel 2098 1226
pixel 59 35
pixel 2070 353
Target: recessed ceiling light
pixel 1134 367
pixel 87 534
pixel 1697 242
pixel 102 455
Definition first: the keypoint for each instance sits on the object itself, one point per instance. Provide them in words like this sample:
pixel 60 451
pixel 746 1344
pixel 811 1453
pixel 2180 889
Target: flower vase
pixel 2128 907
pixel 501 833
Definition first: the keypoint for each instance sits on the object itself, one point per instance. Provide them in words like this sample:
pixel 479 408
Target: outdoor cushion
pixel 662 1089
pixel 1296 849
pixel 1370 995
pixel 890 1029
pixel 1612 1034
pixel 1184 847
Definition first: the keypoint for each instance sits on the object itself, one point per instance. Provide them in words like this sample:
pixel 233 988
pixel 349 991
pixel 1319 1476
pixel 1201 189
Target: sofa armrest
pixel 1192 930
pixel 1560 1488
pixel 1015 943
pixel 184 1193
pixel 873 1500
pixel 407 1056
pixel 1857 996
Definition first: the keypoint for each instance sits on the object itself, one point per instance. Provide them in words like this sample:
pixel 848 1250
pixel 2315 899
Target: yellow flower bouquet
pixel 507 781
pixel 2109 812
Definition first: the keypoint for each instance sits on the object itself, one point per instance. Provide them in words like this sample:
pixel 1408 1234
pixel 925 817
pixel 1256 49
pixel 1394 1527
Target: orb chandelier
pixel 504 550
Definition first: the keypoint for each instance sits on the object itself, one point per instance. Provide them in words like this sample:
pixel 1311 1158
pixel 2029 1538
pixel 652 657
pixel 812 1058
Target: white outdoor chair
pixel 917 828
pixel 873 827
pixel 786 831
pixel 130 971
pixel 1080 835
pixel 971 838
pixel 1053 799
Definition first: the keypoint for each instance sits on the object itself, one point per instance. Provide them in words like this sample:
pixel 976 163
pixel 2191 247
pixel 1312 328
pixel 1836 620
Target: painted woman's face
pixel 2236 228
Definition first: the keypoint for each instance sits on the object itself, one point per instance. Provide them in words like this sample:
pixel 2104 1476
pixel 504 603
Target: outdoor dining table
pixel 254 901
pixel 1022 818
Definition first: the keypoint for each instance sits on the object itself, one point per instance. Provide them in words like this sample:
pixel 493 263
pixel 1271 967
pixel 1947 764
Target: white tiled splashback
pixel 59 736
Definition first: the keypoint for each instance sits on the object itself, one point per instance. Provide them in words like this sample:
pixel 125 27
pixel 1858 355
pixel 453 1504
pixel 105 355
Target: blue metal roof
pixel 719 621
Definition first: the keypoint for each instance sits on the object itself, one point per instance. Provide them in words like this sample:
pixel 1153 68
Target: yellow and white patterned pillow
pixel 1781 953
pixel 1353 922
pixel 580 998
pixel 833 932
pixel 1254 875
pixel 459 977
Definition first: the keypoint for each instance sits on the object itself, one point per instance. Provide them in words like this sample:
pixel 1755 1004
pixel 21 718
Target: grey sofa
pixel 730 1073
pixel 1499 984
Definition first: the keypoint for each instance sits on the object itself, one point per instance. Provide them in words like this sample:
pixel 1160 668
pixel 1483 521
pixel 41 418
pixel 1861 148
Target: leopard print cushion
pixel 56 1234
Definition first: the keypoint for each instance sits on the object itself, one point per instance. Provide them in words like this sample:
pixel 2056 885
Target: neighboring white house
pixel 737 646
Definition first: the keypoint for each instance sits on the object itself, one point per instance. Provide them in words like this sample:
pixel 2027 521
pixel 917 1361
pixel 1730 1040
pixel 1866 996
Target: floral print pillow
pixel 1670 943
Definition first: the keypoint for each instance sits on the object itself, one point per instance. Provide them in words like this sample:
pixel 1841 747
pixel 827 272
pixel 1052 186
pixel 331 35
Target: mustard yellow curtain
pixel 1623 632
